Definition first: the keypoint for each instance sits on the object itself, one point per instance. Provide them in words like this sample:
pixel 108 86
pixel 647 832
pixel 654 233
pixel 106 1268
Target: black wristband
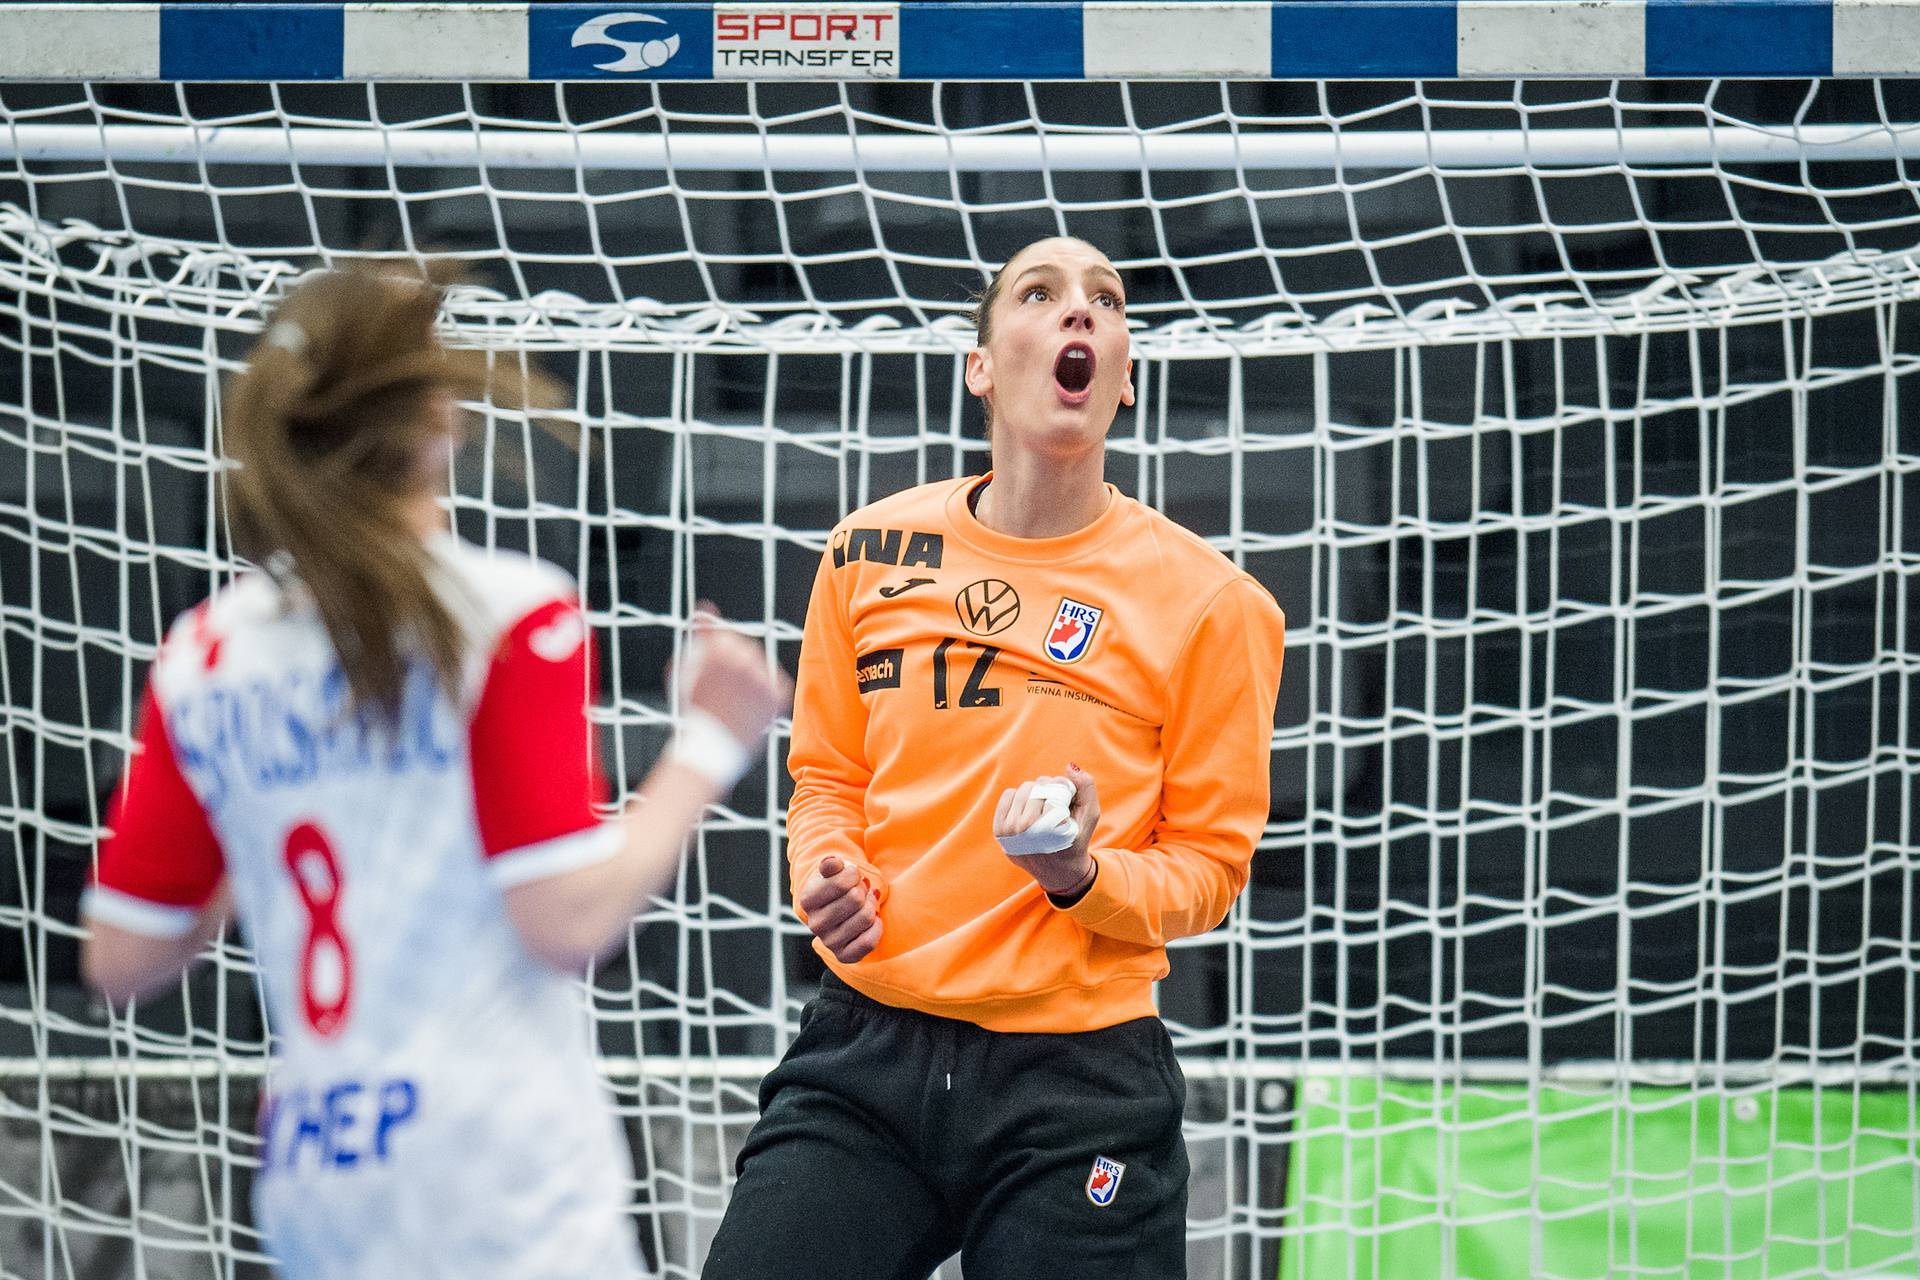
pixel 1065 900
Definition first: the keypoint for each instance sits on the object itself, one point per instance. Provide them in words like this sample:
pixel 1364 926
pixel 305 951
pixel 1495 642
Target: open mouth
pixel 1073 369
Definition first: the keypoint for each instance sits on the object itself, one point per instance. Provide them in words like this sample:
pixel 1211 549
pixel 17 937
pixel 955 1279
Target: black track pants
pixel 890 1140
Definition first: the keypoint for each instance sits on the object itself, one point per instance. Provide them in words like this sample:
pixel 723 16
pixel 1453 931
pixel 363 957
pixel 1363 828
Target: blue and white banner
pixel 961 40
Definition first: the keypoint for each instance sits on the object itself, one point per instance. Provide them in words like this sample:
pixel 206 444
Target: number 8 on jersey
pixel 326 965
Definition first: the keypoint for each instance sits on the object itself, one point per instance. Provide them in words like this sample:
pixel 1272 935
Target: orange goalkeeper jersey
pixel 944 662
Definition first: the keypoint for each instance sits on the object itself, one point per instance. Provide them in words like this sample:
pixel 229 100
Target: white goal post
pixel 1566 404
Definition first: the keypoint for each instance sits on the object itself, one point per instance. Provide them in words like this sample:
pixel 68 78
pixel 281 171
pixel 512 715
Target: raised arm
pixel 575 898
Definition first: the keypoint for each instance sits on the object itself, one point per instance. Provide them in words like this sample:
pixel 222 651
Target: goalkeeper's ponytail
pixel 336 423
pixel 982 317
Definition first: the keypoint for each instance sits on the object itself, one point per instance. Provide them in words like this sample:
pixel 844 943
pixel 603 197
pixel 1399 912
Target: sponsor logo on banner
pixel 772 41
pixel 1071 630
pixel 612 42
pixel 1103 1184
pixel 641 49
pixel 879 669
pixel 987 607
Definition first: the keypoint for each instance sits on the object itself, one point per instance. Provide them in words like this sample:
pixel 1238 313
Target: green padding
pixel 1395 1179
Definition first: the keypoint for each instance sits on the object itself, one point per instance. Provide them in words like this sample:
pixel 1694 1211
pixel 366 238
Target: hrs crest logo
pixel 1071 631
pixel 1103 1183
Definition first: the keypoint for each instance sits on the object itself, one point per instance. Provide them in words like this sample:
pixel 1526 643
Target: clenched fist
pixel 842 912
pixel 1066 871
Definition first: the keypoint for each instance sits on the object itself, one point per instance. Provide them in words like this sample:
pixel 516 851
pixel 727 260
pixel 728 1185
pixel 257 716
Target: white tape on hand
pixel 1053 830
pixel 709 748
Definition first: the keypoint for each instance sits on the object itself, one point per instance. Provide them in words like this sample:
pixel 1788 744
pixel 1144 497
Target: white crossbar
pixel 933 153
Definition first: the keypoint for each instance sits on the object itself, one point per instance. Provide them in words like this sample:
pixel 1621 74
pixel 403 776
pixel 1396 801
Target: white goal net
pixel 1572 423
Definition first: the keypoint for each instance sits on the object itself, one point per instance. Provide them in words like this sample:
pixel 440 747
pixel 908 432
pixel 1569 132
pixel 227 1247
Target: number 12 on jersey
pixel 326 962
pixel 973 693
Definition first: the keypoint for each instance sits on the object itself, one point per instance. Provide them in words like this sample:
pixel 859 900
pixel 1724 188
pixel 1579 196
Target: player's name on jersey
pixel 289 729
pixel 888 546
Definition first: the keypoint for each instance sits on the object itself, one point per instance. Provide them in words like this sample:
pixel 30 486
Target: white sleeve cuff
pixel 137 915
pixel 570 852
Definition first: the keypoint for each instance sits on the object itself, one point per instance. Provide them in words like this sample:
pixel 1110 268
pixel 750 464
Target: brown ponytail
pixel 330 423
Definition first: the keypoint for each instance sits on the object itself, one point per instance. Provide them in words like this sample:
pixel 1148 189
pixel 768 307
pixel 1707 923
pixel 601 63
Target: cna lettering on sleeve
pixel 264 734
pixel 346 1125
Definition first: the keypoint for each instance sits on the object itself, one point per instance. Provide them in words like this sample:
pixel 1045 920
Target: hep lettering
pixel 337 1126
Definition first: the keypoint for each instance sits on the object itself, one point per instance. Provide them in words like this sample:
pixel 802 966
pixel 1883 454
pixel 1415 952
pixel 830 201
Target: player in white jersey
pixel 380 753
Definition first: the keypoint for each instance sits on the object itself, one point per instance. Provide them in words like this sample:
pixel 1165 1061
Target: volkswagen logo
pixel 987 607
